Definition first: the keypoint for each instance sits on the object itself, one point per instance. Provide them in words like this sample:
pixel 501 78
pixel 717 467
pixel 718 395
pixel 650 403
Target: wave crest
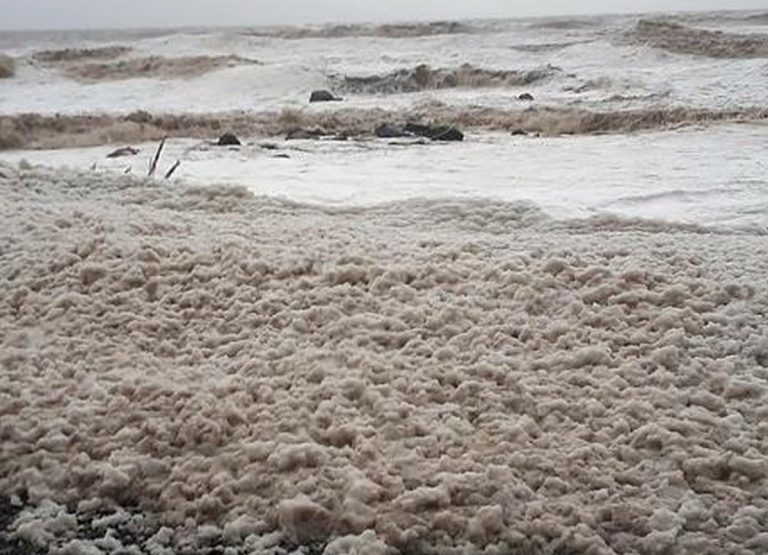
pixel 67 55
pixel 157 67
pixel 7 67
pixel 404 30
pixel 680 39
pixel 424 77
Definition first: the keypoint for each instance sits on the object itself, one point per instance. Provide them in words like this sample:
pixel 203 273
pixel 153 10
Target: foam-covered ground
pixel 202 367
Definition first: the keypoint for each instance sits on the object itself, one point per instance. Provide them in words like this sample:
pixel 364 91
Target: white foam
pixel 681 176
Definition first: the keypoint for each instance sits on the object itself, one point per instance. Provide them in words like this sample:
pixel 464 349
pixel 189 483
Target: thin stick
pixel 156 159
pixel 173 169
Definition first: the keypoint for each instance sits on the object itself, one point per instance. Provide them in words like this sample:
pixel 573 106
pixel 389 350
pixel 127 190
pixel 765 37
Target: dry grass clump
pixel 7 67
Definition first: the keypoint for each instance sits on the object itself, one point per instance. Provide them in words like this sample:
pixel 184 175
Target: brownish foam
pixel 36 131
pixel 680 39
pixel 424 77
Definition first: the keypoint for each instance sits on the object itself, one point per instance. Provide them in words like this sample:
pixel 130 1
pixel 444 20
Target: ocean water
pixel 612 65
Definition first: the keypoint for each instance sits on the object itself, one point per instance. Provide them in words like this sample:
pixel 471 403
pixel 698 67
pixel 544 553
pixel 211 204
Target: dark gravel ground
pixel 132 533
pixel 8 546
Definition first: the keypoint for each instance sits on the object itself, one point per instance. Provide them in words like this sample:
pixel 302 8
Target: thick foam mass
pixel 395 377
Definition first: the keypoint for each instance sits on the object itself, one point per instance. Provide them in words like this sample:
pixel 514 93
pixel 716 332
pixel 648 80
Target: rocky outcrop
pixel 435 132
pixel 323 96
pixel 389 131
pixel 228 139
pixel 411 129
pixel 316 133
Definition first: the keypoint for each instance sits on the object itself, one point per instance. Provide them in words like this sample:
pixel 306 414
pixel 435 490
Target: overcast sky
pixel 69 14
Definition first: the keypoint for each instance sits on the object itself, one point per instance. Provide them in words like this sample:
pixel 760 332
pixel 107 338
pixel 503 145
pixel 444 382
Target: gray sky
pixel 68 14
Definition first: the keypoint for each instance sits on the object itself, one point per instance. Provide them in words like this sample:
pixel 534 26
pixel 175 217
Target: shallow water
pixel 684 176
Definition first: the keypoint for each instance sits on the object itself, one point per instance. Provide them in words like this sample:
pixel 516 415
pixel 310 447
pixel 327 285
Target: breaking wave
pixel 68 55
pixel 566 24
pixel 676 194
pixel 7 67
pixel 424 77
pixel 537 48
pixel 405 30
pixel 757 18
pixel 680 39
pixel 157 67
pixel 62 131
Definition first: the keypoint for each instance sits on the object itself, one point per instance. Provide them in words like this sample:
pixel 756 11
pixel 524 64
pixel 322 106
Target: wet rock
pixel 323 96
pixel 125 151
pixel 518 132
pixel 526 97
pixel 306 134
pixel 418 129
pixel 446 133
pixel 316 133
pixel 435 132
pixel 269 146
pixel 388 131
pixel 228 139
pixel 282 155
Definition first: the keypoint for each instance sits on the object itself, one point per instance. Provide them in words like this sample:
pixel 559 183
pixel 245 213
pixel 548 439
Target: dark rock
pixel 125 151
pixel 269 146
pixel 16 546
pixel 305 134
pixel 518 132
pixel 323 96
pixel 282 155
pixel 526 97
pixel 418 129
pixel 446 133
pixel 228 139
pixel 387 131
pixel 435 132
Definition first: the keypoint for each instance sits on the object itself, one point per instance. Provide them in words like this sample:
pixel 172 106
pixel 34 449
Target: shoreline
pixel 46 132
